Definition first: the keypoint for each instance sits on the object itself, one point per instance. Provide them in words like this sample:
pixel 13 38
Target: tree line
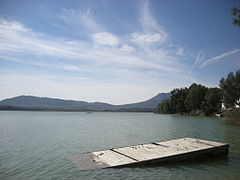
pixel 200 100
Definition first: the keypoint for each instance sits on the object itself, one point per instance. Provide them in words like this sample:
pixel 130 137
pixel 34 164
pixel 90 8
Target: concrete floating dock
pixel 156 152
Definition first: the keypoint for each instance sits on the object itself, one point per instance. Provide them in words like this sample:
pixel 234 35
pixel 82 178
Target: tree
pixel 231 89
pixel 178 98
pixel 195 97
pixel 236 14
pixel 166 107
pixel 212 101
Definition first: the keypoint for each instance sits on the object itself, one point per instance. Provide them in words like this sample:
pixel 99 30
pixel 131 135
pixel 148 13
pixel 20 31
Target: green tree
pixel 166 107
pixel 195 97
pixel 231 89
pixel 236 14
pixel 212 101
pixel 178 98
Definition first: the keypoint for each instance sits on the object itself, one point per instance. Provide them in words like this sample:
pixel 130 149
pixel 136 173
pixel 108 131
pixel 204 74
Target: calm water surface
pixel 37 145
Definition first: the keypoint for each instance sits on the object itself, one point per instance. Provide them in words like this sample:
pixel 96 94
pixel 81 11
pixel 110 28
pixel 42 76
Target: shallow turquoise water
pixel 37 145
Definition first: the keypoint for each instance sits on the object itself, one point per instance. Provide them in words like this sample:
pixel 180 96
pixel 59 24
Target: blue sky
pixel 114 51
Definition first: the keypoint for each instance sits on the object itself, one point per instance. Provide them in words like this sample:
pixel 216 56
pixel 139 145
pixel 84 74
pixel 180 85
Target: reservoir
pixel 39 145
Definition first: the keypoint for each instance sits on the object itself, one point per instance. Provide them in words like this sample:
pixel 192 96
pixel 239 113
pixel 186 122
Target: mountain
pixel 43 103
pixel 151 103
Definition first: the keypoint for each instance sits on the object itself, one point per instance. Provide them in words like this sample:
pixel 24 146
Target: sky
pixel 114 51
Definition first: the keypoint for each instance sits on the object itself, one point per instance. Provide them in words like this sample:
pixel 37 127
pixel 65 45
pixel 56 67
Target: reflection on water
pixel 37 145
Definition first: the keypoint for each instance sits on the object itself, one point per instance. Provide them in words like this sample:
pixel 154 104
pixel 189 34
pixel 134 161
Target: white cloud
pixel 143 38
pixel 114 65
pixel 127 48
pixel 105 38
pixel 16 38
pixel 180 51
pixel 149 23
pixel 61 66
pixel 152 35
pixel 9 25
pixel 217 58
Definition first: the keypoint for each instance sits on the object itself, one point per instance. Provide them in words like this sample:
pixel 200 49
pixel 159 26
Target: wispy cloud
pixel 17 38
pixel 132 61
pixel 128 48
pixel 180 51
pixel 61 66
pixel 104 38
pixel 150 25
pixel 141 38
pixel 79 20
pixel 218 58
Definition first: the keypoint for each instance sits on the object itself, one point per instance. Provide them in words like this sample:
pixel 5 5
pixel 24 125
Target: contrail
pixel 194 65
pixel 216 58
pixel 196 62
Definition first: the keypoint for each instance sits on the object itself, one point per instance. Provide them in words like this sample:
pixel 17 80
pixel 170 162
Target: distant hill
pixel 150 103
pixel 43 103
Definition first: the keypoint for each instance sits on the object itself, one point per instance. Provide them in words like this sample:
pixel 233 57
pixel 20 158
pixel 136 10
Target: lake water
pixel 37 145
